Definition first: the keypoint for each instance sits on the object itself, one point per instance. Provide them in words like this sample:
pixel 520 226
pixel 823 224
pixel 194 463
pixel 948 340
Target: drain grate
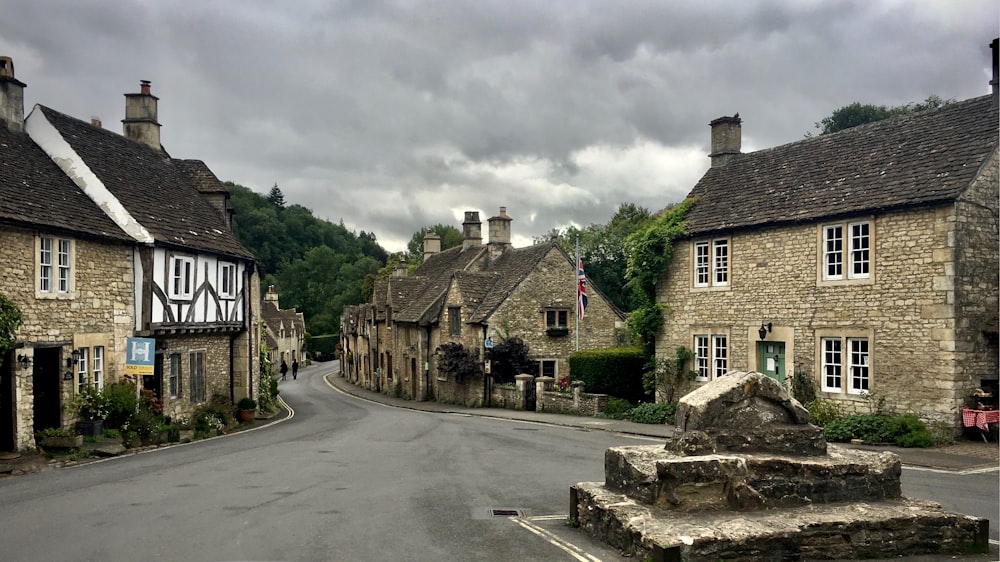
pixel 505 512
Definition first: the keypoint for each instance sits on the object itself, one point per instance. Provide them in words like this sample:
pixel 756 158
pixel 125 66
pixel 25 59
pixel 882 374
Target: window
pixel 181 280
pixel 227 281
pixel 455 321
pixel 701 261
pixel 720 352
pixel 82 370
pixel 196 371
pixel 701 357
pixel 711 263
pixel 555 318
pixel 832 365
pixel 856 255
pixel 711 356
pixel 55 272
pixel 547 368
pixel 98 372
pixel 858 365
pixel 175 375
pixel 838 352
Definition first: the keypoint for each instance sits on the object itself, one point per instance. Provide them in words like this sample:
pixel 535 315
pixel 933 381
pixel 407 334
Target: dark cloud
pixel 396 116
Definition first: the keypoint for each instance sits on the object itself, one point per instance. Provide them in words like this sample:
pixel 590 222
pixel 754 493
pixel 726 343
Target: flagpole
pixel 576 278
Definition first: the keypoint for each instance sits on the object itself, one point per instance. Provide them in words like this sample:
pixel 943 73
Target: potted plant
pixel 59 438
pixel 91 407
pixel 247 407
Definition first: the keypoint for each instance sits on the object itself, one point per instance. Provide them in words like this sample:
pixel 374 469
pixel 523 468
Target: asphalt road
pixel 348 479
pixel 343 479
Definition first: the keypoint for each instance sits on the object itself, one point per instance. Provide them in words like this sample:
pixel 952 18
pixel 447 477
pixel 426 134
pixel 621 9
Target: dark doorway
pixel 7 402
pixel 529 395
pixel 154 382
pixel 46 379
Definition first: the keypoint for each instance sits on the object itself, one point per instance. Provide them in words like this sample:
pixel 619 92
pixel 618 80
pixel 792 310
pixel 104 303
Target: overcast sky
pixel 395 116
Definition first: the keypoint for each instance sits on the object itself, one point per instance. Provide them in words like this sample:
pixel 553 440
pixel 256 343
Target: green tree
pixel 275 197
pixel 857 113
pixel 10 321
pixel 450 238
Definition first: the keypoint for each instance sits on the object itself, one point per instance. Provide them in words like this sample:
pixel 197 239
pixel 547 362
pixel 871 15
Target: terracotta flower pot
pixel 246 416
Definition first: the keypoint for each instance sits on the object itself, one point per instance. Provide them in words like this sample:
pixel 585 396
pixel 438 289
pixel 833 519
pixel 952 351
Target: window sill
pixel 557 332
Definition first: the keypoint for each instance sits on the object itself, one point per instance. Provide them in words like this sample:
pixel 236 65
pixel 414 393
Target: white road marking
pixel 571 549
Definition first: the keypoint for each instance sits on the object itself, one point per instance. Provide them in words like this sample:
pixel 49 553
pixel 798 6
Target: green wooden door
pixel 771 359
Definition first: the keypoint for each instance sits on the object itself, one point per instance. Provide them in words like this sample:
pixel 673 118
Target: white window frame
pixel 859 250
pixel 702 264
pixel 227 280
pixel 847 251
pixel 702 357
pixel 720 262
pixel 181 277
pixel 97 373
pixel 83 370
pixel 859 365
pixel 55 266
pixel 833 257
pixel 832 364
pixel 711 356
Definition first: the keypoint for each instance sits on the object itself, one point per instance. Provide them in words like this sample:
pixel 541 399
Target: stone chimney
pixel 400 270
pixel 499 233
pixel 995 82
pixel 140 123
pixel 96 122
pixel 432 244
pixel 272 296
pixel 472 230
pixel 11 97
pixel 726 138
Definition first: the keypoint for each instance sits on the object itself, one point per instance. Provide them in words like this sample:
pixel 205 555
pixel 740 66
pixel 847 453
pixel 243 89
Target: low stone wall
pixel 551 401
pixel 507 397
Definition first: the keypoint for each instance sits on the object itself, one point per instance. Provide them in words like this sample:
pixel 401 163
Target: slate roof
pixel 511 268
pixel 201 175
pixel 155 190
pixel 426 301
pixel 919 159
pixel 35 193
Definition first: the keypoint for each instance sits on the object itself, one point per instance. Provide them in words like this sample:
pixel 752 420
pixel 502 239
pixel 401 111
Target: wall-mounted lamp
pixel 70 361
pixel 764 329
pixel 24 361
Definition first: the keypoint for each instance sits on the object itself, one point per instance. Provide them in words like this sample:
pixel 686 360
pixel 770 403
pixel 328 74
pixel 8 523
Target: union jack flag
pixel 581 290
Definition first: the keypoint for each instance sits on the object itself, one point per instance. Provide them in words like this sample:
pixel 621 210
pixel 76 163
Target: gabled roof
pixel 918 159
pixel 511 268
pixel 425 302
pixel 156 192
pixel 34 192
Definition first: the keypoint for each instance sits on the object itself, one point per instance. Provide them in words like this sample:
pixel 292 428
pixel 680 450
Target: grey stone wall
pixel 100 311
pixel 906 309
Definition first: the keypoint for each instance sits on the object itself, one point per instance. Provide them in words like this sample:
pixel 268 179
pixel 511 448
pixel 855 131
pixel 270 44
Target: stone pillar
pixel 577 391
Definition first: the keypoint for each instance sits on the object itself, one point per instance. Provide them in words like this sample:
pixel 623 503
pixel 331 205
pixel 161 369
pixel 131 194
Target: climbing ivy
pixel 10 321
pixel 650 252
pixel 455 360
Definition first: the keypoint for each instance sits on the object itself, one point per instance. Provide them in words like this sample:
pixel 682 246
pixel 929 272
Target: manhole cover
pixel 506 512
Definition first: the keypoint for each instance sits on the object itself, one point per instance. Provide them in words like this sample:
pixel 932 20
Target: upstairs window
pixel 55 266
pixel 846 251
pixel 181 277
pixel 711 263
pixel 455 321
pixel 227 281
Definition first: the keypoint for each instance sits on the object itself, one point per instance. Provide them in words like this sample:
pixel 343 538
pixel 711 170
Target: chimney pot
pixel 95 122
pixel 144 87
pixel 726 139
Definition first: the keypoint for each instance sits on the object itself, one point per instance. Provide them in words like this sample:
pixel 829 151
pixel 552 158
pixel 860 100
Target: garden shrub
pixel 653 413
pixel 822 412
pixel 904 431
pixel 121 401
pixel 617 371
pixel 616 408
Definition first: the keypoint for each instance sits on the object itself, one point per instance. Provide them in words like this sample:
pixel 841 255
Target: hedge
pixel 615 371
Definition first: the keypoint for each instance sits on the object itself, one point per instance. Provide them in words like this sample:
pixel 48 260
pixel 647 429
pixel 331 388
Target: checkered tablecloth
pixel 980 418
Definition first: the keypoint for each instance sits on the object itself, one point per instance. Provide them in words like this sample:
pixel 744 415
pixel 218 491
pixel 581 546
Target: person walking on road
pixel 283 369
pixel 295 369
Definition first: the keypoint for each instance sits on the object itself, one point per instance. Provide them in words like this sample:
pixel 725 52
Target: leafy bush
pixel 247 403
pixel 616 408
pixel 121 401
pixel 653 413
pixel 822 412
pixel 509 358
pixel 804 388
pixel 617 371
pixel 904 431
pixel 455 360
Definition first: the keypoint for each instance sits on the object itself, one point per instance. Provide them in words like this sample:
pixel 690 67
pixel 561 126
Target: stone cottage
pixel 284 330
pixel 470 294
pixel 865 260
pixel 112 239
